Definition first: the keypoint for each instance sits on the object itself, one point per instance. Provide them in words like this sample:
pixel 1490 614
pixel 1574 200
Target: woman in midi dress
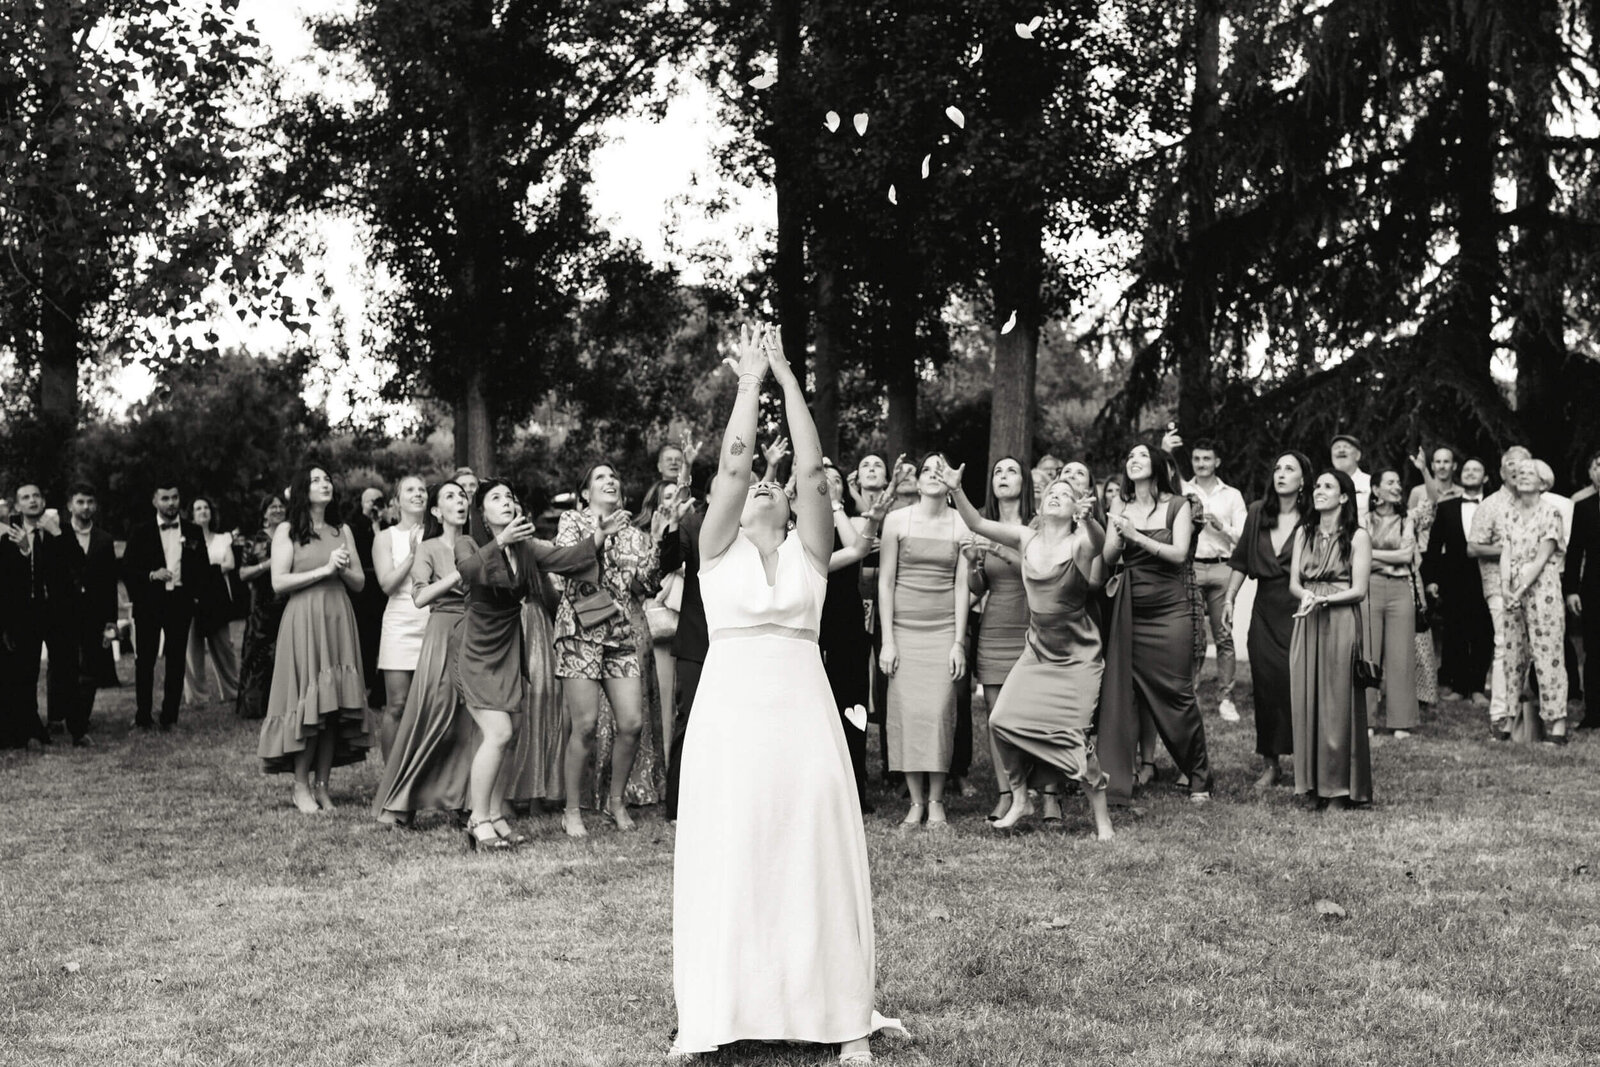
pixel 212 630
pixel 772 935
pixel 316 710
pixel 492 664
pixel 266 609
pixel 1390 638
pixel 995 575
pixel 1265 552
pixel 1044 714
pixel 1149 649
pixel 923 595
pixel 404 623
pixel 431 755
pixel 1328 576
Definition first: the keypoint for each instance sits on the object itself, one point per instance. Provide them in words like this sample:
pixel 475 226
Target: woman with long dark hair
pixel 492 664
pixel 266 609
pixel 316 711
pixel 1328 576
pixel 1391 615
pixel 1265 552
pixel 1150 632
pixel 212 631
pixel 995 573
pixel 430 758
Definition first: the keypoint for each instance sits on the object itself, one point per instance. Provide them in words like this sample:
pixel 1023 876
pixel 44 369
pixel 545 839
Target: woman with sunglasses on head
pixel 492 664
pixel 772 933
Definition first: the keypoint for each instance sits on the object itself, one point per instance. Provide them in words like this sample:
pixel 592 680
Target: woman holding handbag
pixel 603 642
pixel 1391 616
pixel 1328 575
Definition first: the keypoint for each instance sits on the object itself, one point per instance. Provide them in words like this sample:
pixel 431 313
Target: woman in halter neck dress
pixel 772 934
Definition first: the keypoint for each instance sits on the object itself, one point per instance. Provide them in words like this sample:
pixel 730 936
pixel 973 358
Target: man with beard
pixel 84 610
pixel 27 562
pixel 1484 545
pixel 1452 577
pixel 1438 477
pixel 161 566
pixel 1345 452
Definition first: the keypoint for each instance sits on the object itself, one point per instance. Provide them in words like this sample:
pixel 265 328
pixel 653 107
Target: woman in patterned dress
pixel 266 608
pixel 1531 558
pixel 614 655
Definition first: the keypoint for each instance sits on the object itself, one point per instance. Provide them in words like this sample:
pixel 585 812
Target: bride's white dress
pixel 772 905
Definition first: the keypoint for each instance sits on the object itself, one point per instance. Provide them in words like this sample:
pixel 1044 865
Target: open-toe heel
pixel 502 826
pixel 487 839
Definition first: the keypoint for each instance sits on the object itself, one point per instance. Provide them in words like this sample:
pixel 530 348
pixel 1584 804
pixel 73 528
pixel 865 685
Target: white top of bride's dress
pixel 739 602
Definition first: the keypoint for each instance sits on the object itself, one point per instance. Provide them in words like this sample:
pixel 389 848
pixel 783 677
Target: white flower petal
pixel 954 114
pixel 893 199
pixel 926 164
pixel 1035 22
pixel 861 123
pixel 764 81
pixel 1011 324
pixel 1023 31
pixel 978 55
pixel 831 120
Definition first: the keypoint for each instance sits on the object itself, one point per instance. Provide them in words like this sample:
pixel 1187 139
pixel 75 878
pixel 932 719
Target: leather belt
pixel 1211 559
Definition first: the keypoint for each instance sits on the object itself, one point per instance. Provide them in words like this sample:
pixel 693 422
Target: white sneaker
pixel 1228 712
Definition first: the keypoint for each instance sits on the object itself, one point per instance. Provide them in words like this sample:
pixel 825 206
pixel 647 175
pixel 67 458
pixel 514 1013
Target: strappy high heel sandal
pixel 502 826
pixel 491 843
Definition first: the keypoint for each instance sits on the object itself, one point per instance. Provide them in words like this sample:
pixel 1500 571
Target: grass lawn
pixel 206 922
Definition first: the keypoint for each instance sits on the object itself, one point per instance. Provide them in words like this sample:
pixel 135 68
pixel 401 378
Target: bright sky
pixel 651 183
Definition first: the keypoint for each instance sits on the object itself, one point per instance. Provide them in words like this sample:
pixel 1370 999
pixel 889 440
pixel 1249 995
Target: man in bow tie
pixel 161 568
pixel 27 560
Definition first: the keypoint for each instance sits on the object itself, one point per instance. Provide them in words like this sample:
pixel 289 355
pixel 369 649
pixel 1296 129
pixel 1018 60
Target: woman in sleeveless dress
pixel 923 595
pixel 1045 711
pixel 433 746
pixel 212 629
pixel 772 934
pixel 995 574
pixel 404 623
pixel 1265 552
pixel 316 710
pixel 1150 633
pixel 266 608
pixel 1328 576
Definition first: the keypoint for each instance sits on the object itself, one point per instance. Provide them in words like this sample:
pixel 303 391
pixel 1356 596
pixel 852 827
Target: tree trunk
pixel 60 348
pixel 1014 412
pixel 1191 328
pixel 789 130
pixel 479 431
pixel 827 356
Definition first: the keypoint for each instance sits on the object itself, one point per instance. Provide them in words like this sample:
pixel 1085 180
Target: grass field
pixel 164 904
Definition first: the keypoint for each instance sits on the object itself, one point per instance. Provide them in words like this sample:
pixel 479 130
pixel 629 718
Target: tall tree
pixel 465 149
pixel 119 161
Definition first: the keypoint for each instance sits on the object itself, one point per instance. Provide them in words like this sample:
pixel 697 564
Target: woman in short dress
pixel 923 594
pixel 431 755
pixel 612 653
pixel 1328 576
pixel 266 609
pixel 492 663
pixel 995 574
pixel 316 710
pixel 400 640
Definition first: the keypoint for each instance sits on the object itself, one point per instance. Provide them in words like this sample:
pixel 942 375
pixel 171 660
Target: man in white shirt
pixel 1484 545
pixel 1224 521
pixel 1438 477
pixel 1345 452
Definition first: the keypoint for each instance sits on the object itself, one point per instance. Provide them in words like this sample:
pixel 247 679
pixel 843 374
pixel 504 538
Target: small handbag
pixel 1369 675
pixel 593 606
pixel 1420 601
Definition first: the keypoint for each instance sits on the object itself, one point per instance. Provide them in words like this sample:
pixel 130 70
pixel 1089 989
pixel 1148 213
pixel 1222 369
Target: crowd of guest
pixel 490 668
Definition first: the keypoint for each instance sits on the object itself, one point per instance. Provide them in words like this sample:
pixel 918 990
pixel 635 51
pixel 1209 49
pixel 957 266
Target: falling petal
pixel 893 199
pixel 831 120
pixel 954 114
pixel 1011 324
pixel 764 81
pixel 1035 22
pixel 926 162
pixel 861 123
pixel 978 54
pixel 1024 31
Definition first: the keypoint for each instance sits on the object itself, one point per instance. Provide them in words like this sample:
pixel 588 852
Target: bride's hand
pixel 889 659
pixel 782 373
pixel 749 352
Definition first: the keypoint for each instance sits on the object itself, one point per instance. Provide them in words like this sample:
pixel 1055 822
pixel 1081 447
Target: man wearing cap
pixel 1345 451
pixel 1488 532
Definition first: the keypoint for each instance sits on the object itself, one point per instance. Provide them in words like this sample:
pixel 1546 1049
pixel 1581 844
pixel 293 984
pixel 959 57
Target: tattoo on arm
pixel 822 487
pixel 738 447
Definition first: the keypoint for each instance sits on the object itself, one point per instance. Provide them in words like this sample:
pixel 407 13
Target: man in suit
pixel 84 610
pixel 1451 575
pixel 680 544
pixel 1580 584
pixel 161 567
pixel 30 560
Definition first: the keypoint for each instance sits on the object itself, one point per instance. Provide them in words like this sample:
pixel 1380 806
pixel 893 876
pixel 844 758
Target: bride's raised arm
pixel 732 482
pixel 813 504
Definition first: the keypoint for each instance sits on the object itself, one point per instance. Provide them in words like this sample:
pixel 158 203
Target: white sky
pixel 650 183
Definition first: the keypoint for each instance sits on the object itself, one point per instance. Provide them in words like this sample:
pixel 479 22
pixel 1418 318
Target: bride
pixel 772 906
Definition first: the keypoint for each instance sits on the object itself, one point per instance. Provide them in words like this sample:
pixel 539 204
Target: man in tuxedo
pixel 84 610
pixel 681 545
pixel 1451 575
pixel 31 551
pixel 161 567
pixel 1580 584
